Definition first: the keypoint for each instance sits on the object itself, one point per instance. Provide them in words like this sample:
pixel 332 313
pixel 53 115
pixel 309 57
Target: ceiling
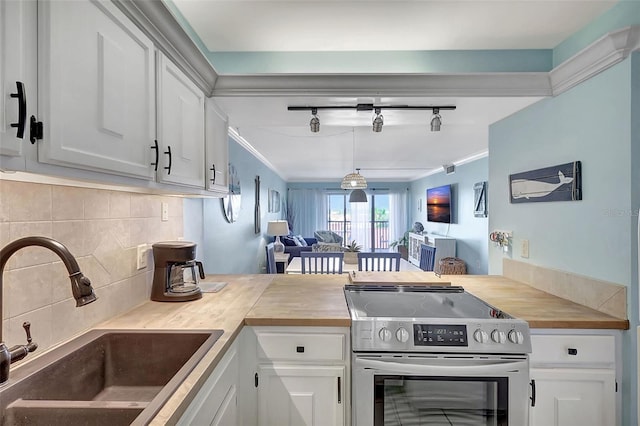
pixel 405 149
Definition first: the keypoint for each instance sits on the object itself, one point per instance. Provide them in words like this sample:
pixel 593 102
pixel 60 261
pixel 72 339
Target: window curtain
pixel 397 215
pixel 306 211
pixel 361 224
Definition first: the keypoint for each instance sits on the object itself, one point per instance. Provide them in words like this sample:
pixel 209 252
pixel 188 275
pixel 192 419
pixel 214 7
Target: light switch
pixel 524 250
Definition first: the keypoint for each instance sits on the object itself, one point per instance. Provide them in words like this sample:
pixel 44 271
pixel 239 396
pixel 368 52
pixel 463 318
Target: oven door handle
pixel 499 367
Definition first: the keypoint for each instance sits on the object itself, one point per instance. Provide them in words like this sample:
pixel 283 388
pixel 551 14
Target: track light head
pixel 314 124
pixel 436 120
pixel 378 121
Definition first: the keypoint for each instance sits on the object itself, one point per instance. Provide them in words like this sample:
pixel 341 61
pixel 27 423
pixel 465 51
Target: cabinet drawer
pixel 301 346
pixel 572 349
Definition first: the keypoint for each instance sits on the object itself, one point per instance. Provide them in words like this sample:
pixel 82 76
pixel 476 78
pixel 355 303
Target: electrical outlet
pixel 524 249
pixel 165 212
pixel 141 262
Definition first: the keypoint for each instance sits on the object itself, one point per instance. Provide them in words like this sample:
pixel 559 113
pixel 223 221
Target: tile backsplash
pixel 102 229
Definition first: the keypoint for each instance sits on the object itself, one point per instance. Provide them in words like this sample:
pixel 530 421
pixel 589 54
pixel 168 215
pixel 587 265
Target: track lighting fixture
pixel 378 121
pixel 436 120
pixel 314 124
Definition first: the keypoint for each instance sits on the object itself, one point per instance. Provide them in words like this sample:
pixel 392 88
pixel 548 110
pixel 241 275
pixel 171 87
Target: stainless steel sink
pixel 104 377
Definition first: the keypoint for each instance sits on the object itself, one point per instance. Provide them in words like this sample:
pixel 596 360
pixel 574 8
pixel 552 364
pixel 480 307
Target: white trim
pixel 600 55
pixel 246 145
pixel 476 84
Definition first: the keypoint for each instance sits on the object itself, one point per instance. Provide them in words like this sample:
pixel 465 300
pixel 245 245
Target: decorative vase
pixel 350 257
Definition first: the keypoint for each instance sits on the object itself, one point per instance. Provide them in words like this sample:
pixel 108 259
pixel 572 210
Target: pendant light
pixel 354 180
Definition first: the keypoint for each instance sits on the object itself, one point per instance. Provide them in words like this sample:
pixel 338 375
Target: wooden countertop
pixel 318 300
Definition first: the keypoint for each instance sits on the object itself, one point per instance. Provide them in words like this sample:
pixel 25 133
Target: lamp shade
pixel 358 196
pixel 278 227
pixel 353 181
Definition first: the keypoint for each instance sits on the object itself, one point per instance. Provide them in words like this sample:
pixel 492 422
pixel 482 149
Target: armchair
pixel 328 237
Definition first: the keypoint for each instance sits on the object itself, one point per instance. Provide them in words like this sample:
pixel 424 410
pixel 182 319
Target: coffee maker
pixel 175 278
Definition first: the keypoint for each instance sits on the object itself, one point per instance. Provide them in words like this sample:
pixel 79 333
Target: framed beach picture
pixel 556 183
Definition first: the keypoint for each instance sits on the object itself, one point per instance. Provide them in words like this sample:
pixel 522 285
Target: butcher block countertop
pixel 318 300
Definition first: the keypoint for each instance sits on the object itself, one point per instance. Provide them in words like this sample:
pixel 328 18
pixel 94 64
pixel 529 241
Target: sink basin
pixel 104 377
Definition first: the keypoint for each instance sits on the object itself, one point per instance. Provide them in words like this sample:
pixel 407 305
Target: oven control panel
pixel 480 336
pixel 440 335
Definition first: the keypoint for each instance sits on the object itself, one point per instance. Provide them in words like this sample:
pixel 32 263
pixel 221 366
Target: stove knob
pixel 498 336
pixel 516 337
pixel 402 334
pixel 384 334
pixel 480 336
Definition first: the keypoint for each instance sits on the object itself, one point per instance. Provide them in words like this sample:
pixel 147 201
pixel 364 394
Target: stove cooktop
pixel 418 302
pixel 402 318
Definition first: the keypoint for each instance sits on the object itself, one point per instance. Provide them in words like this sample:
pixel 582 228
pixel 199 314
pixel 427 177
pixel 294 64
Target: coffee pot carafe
pixel 175 278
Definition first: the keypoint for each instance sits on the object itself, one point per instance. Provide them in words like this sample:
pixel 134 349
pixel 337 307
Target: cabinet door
pixel 96 86
pixel 216 402
pixel 180 127
pixel 217 146
pixel 18 58
pixel 573 397
pixel 301 395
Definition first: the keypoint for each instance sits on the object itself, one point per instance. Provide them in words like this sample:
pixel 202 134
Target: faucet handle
pixel 27 328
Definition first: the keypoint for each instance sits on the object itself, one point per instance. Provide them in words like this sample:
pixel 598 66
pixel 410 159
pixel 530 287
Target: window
pixel 366 223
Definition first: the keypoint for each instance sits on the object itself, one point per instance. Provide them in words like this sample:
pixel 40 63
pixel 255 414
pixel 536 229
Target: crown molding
pixel 158 23
pixel 600 55
pixel 474 84
pixel 233 133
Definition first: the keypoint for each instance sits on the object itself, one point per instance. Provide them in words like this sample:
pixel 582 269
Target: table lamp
pixel 277 228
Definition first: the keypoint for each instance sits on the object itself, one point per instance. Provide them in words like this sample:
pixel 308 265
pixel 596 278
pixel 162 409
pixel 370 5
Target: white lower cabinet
pixel 574 377
pixel 573 397
pixel 300 395
pixel 302 376
pixel 216 402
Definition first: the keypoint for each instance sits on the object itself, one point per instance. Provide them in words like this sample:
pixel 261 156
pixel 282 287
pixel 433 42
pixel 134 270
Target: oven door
pixel 440 389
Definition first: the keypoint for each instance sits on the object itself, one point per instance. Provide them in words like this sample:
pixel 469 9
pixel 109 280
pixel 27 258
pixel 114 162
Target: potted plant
pixel 351 252
pixel 402 245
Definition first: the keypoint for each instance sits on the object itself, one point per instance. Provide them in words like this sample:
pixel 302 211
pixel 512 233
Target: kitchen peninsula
pixel 318 301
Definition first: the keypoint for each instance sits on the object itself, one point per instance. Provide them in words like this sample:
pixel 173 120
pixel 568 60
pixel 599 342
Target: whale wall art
pixel 557 183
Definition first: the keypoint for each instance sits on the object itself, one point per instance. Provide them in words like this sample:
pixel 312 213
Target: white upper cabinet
pixel 180 127
pixel 217 146
pixel 96 89
pixel 18 79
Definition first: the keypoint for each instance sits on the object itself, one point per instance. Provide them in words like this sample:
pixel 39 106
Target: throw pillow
pixel 298 243
pixel 302 241
pixel 288 240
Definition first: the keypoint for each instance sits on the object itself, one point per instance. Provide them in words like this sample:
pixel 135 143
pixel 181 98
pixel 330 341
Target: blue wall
pixel 234 248
pixel 470 232
pixel 593 237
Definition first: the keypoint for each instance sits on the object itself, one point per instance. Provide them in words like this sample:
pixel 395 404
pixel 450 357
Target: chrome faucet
pixel 80 286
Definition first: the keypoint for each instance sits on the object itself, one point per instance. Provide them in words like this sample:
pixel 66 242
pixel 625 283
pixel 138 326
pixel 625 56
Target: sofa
pixel 293 247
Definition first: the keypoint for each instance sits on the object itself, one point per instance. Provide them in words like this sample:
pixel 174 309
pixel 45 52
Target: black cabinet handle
pixel 533 392
pixel 168 152
pixel 300 349
pixel 155 163
pixel 22 110
pixel 339 390
pixel 572 351
pixel 213 170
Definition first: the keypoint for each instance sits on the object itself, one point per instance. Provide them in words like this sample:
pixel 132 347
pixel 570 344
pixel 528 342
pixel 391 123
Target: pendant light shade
pixel 358 196
pixel 353 181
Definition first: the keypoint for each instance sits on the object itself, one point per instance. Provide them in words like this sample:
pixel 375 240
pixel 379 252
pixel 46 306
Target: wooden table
pixel 295 266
